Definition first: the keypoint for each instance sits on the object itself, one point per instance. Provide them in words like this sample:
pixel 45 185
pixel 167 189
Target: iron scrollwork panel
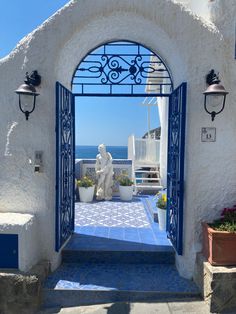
pixel 124 64
pixel 65 165
pixel 116 69
pixel 175 177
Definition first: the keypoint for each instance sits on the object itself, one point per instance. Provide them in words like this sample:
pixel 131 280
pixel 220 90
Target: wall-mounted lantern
pixel 27 93
pixel 215 95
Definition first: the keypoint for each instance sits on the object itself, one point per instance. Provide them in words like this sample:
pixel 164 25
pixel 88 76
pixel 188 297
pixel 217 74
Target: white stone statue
pixel 104 172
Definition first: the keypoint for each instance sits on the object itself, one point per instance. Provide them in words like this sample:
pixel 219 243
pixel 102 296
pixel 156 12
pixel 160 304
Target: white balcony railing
pixel 144 151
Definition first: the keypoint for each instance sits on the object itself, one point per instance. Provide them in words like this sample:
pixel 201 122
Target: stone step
pixel 85 248
pixel 147 171
pixel 149 185
pixel 94 283
pixel 116 257
pixel 147 179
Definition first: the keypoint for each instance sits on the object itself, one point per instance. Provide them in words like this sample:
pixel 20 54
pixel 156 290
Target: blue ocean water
pixel 90 152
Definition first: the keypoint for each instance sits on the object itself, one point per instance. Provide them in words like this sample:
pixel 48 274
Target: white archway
pixel 55 49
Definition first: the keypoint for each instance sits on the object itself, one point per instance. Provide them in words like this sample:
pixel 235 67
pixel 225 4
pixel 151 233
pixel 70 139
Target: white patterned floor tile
pixel 111 214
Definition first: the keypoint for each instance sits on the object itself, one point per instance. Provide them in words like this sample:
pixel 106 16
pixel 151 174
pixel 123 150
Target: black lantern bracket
pixel 214 89
pixel 212 78
pixel 33 79
pixel 28 89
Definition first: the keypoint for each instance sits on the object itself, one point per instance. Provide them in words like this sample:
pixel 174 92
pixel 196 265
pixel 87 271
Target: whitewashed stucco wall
pixel 199 7
pixel 190 48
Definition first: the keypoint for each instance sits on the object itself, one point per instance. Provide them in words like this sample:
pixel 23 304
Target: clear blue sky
pixel 111 120
pixel 20 17
pixel 107 120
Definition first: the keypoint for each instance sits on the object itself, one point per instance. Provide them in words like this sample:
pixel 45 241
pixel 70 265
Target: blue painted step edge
pixel 131 257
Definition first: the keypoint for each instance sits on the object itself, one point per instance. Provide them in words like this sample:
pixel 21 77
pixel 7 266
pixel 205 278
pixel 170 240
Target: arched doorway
pixel 120 69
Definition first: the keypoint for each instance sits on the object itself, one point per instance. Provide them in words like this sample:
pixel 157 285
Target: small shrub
pixel 85 182
pixel 162 201
pixel 124 180
pixel 227 222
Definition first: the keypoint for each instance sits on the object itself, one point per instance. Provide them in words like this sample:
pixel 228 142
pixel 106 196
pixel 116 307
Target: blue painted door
pixel 175 168
pixel 65 180
pixel 9 251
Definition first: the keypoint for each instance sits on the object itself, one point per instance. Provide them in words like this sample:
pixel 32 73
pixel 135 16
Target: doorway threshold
pixel 117 231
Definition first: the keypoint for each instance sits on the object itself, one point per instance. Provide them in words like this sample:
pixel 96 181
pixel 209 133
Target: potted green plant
pixel 86 189
pixel 219 239
pixel 125 187
pixel 161 211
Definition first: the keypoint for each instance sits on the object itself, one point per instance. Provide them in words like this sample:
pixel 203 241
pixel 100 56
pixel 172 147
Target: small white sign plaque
pixel 208 134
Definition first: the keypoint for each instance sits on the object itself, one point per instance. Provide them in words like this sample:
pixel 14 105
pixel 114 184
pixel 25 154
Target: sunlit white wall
pixel 199 7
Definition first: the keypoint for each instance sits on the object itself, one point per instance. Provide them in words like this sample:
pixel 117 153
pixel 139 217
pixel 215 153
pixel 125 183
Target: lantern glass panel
pixel 215 101
pixel 27 102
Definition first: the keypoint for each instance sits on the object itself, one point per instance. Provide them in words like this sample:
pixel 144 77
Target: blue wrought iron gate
pixel 175 168
pixel 65 142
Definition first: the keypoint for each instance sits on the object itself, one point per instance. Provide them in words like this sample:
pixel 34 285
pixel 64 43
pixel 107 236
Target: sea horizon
pixel 91 151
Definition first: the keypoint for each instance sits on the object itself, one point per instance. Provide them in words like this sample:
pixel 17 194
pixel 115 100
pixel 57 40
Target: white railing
pixel 131 147
pixel 144 150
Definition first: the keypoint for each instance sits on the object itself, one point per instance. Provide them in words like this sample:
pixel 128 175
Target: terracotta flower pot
pixel 219 247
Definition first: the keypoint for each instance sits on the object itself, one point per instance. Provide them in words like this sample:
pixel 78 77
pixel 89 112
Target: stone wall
pixel 217 285
pixel 21 293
